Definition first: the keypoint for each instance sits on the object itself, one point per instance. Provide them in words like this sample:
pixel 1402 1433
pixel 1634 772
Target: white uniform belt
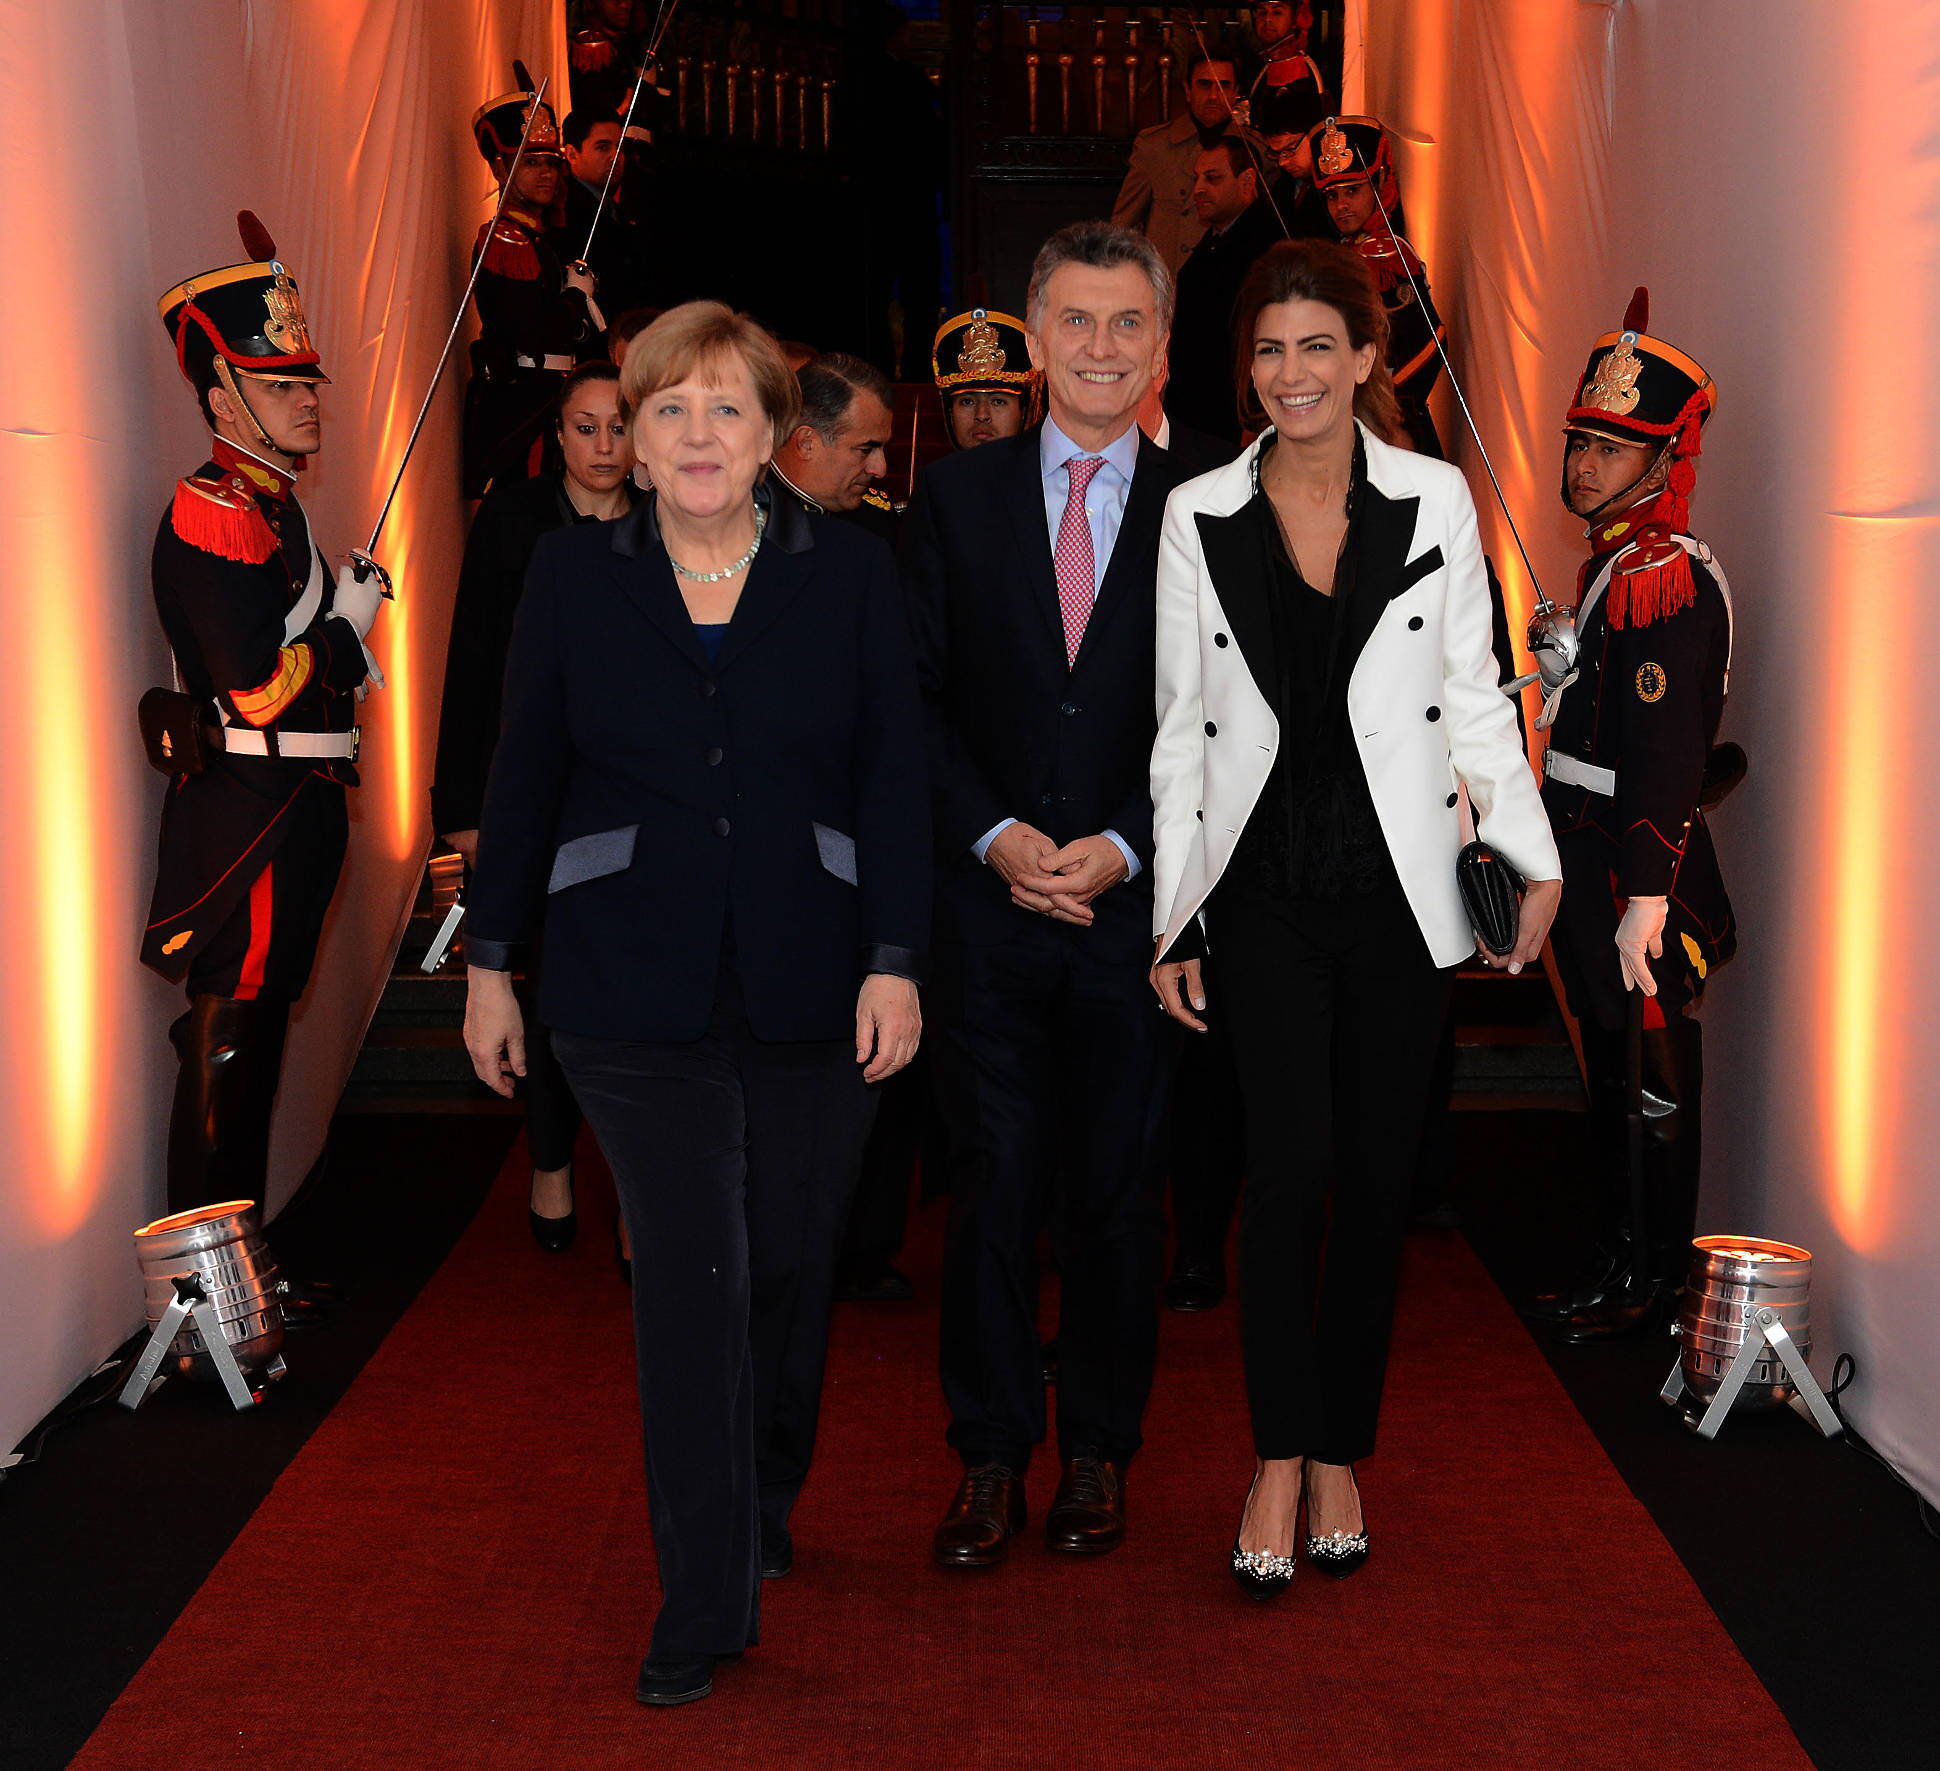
pixel 563 364
pixel 238 742
pixel 1574 772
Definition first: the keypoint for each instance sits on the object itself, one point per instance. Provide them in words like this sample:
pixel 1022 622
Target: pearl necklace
pixel 740 565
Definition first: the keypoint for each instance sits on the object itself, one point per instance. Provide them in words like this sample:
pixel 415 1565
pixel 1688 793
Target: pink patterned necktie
pixel 1076 568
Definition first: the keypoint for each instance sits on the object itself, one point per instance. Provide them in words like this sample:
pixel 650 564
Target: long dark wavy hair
pixel 1336 276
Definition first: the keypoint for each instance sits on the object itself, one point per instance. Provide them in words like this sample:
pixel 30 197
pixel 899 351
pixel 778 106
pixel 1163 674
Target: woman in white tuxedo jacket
pixel 1326 690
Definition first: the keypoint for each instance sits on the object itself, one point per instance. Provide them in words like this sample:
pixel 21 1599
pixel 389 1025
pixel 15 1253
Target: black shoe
pixel 1048 1353
pixel 985 1514
pixel 1625 1319
pixel 1603 1281
pixel 554 1235
pixel 667 1682
pixel 1261 1574
pixel 1195 1285
pixel 621 1259
pixel 1339 1553
pixel 301 1311
pixel 777 1553
pixel 1088 1516
pixel 885 1287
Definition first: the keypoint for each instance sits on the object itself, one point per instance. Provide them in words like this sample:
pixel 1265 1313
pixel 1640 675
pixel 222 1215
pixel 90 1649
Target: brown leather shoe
pixel 987 1512
pixel 1088 1516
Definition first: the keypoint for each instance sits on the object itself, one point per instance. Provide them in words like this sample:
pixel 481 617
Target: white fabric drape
pixel 1767 167
pixel 135 131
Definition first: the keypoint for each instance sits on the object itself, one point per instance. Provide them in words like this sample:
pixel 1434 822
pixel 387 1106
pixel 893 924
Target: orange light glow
pixel 1858 1094
pixel 59 1072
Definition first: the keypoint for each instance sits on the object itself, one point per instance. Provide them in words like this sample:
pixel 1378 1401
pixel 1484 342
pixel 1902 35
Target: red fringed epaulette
pixel 1650 582
pixel 222 521
pixel 1391 259
pixel 510 251
pixel 590 53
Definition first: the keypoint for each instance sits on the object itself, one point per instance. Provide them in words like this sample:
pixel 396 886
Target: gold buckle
pixel 356 741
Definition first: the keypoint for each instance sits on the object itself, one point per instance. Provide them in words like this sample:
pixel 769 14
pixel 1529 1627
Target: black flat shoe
pixel 1195 1285
pixel 777 1554
pixel 1261 1574
pixel 667 1682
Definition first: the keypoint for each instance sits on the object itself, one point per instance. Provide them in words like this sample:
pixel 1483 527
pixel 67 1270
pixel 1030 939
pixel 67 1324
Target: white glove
pixel 360 594
pixel 1640 939
pixel 362 586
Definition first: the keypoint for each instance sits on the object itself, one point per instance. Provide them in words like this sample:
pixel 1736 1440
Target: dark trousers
pixel 734 1160
pixel 879 1217
pixel 1206 1143
pixel 1050 1059
pixel 1336 1012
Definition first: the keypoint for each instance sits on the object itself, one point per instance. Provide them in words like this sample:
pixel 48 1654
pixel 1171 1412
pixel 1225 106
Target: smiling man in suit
pixel 1030 565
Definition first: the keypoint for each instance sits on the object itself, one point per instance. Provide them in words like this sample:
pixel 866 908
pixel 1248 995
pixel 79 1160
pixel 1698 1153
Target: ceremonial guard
pixel 1635 687
pixel 1286 92
pixel 537 315
pixel 1354 171
pixel 259 740
pixel 603 57
pixel 982 364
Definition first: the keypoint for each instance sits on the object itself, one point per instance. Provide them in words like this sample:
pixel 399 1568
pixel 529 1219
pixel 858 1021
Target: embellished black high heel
pixel 1339 1553
pixel 1260 1573
pixel 554 1235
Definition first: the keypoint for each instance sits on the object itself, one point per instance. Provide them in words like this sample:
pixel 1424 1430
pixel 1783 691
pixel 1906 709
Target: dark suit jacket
pixel 1201 392
pixel 643 802
pixel 1013 733
pixel 497 551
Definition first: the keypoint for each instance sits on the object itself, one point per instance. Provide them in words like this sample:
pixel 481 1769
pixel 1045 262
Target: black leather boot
pixel 1673 1163
pixel 1602 1276
pixel 218 1134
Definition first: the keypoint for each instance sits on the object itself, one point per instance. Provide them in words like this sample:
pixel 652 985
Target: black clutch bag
pixel 1491 894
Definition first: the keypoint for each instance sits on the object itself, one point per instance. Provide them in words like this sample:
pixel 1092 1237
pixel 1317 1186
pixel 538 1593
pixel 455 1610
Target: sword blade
pixel 457 320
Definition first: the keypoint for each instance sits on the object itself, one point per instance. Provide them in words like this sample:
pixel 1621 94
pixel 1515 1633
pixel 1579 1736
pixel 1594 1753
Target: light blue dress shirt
pixel 1105 511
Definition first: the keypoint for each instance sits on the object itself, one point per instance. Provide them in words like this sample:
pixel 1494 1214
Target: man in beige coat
pixel 1156 197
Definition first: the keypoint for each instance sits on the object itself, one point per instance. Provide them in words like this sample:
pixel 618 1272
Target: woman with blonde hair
pixel 709 795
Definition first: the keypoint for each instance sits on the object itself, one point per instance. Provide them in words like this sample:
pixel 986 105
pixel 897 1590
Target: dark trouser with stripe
pixel 241 986
pixel 734 1159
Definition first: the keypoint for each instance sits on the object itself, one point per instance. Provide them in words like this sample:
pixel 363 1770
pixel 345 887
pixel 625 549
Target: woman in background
pixel 594 486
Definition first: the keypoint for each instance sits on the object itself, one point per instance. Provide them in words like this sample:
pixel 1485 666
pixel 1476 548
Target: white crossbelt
pixel 549 361
pixel 1574 772
pixel 238 742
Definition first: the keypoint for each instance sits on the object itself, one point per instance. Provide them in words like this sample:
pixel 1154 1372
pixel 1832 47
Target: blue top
pixel 711 634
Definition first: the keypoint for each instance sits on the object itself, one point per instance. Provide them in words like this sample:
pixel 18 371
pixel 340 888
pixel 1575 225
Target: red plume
pixel 256 243
pixel 1636 317
pixel 521 78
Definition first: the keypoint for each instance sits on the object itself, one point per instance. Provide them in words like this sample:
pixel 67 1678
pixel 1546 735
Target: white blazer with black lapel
pixel 1427 714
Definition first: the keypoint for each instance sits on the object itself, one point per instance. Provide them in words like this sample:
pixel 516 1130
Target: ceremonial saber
pixel 1455 381
pixel 662 20
pixel 457 320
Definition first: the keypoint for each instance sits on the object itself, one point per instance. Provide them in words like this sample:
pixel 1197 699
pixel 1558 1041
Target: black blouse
pixel 1314 833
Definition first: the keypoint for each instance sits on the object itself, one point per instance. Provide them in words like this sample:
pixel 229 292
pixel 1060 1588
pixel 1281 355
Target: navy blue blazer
pixel 643 801
pixel 1013 732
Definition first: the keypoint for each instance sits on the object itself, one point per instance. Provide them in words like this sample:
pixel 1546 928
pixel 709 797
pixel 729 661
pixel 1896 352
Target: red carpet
pixel 455 1572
